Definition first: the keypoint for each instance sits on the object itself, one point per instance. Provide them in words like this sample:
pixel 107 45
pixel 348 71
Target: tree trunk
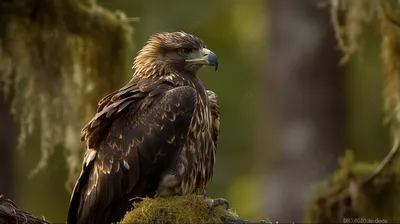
pixel 304 106
pixel 7 145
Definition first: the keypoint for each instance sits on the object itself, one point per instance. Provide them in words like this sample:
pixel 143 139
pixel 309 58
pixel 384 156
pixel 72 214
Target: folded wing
pixel 135 137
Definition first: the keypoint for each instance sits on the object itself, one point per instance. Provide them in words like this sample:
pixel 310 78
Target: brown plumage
pixel 157 135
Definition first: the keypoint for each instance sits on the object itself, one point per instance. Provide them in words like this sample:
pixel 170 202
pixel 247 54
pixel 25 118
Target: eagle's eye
pixel 184 51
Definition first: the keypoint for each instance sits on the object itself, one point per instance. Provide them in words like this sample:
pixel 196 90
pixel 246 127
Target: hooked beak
pixel 207 58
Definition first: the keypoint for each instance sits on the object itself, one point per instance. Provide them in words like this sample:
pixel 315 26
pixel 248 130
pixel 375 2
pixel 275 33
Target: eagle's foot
pixel 216 202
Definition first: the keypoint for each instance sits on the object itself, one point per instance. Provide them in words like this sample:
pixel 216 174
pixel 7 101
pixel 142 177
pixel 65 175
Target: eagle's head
pixel 176 52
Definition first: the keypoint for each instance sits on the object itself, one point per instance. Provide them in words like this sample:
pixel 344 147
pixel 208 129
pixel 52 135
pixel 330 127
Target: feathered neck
pixel 148 62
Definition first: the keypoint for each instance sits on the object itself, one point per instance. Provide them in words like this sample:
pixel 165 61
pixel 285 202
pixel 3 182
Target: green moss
pixel 351 192
pixel 177 209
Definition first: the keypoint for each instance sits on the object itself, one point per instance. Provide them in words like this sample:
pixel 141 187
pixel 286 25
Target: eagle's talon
pixel 216 202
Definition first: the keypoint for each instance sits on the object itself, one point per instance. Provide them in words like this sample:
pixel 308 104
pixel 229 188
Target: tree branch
pixel 9 213
pixel 179 209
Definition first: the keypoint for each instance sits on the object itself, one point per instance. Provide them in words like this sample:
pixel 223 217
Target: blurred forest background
pixel 288 108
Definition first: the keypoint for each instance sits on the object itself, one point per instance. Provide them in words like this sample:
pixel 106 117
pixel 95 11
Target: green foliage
pixel 58 58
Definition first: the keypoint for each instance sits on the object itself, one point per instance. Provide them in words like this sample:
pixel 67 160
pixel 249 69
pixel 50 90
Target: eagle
pixel 155 136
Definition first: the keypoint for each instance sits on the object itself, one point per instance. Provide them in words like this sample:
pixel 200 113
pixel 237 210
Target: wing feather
pixel 214 105
pixel 132 140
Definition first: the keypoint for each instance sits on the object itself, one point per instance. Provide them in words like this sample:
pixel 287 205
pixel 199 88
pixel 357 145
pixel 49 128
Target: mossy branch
pixel 181 209
pixel 173 210
pixel 358 190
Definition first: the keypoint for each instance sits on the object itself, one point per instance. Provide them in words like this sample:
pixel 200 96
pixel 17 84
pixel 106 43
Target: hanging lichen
pixel 58 58
pixel 390 52
pixel 374 193
pixel 349 18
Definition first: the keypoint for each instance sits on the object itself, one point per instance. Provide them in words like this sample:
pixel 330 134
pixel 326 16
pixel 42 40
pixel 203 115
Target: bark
pixel 304 106
pixel 9 214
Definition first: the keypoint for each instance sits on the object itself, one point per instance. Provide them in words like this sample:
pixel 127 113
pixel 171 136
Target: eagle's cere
pixel 156 136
